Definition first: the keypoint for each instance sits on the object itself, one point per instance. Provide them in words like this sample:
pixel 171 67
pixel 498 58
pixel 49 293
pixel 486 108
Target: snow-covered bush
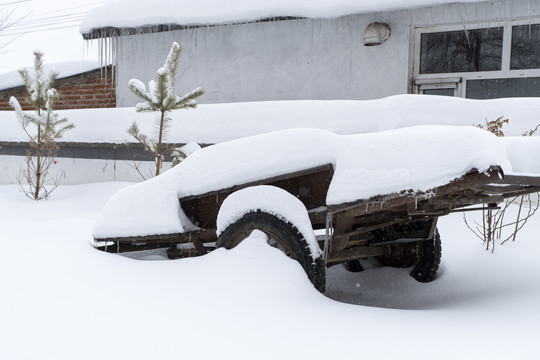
pixel 161 98
pixel 43 128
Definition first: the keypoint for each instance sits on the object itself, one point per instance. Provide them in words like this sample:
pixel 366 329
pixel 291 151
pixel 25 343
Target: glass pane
pixel 461 51
pixel 442 92
pixel 525 47
pixel 501 88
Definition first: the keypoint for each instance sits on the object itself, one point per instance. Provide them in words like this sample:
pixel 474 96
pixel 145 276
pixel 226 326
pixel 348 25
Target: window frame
pixel 430 81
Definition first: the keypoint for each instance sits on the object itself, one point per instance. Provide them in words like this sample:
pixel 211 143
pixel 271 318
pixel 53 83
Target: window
pixel 499 88
pixel 478 63
pixel 443 86
pixel 461 51
pixel 525 47
pixel 440 92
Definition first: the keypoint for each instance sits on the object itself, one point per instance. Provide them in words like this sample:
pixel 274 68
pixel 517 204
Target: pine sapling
pixel 43 128
pixel 161 98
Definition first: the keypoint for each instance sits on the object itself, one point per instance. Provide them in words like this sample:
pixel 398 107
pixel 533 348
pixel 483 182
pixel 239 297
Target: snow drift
pixel 214 123
pixel 416 158
pixel 251 302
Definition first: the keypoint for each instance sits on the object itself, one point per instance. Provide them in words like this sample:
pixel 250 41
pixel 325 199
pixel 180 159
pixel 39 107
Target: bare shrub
pixel 497 225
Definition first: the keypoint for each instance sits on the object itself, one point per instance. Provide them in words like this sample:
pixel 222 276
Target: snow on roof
pixel 143 13
pixel 65 69
pixel 366 165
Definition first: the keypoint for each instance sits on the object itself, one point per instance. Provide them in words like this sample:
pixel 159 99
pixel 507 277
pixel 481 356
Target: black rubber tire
pixel 402 255
pixel 353 266
pixel 290 240
pixel 429 258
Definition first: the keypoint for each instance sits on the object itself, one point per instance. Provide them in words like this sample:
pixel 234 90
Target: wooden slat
pixel 471 180
pixel 309 185
pixel 322 168
pixel 202 236
pixel 357 252
pixel 161 238
pixel 521 180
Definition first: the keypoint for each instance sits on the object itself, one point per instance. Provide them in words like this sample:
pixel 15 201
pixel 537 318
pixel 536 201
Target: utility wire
pixel 14 2
pixel 48 29
pixel 58 19
pixel 44 21
pixel 76 7
pixel 43 25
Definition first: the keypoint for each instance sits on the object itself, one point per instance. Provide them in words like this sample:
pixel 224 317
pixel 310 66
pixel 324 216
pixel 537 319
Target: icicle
pixel 100 53
pixel 328 230
pixel 460 9
pixel 113 63
pixel 105 51
pixel 529 9
pixel 107 48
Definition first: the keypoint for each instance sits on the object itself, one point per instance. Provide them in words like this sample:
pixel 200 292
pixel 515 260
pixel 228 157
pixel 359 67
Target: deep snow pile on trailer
pixel 376 195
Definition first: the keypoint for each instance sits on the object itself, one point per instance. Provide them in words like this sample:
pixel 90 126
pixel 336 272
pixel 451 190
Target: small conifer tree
pixel 161 98
pixel 43 128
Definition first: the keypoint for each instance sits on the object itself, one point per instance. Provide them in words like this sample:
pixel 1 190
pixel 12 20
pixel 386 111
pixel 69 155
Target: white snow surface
pixel 214 123
pixel 64 69
pixel 522 153
pixel 63 300
pixel 272 200
pixel 417 158
pixel 137 13
pixel 189 148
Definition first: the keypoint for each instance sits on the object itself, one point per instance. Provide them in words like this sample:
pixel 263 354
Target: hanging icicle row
pixel 107 42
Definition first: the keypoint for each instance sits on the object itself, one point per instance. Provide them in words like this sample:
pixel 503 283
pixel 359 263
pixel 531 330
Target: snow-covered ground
pixel 62 299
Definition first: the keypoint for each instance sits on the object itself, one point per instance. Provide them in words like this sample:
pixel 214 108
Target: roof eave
pixel 109 31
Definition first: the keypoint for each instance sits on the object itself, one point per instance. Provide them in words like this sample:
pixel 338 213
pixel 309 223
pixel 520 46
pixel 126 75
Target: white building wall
pixel 69 171
pixel 299 59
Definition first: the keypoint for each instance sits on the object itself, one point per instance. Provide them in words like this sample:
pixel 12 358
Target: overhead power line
pixel 45 21
pixel 51 20
pixel 48 29
pixel 44 24
pixel 76 7
pixel 14 2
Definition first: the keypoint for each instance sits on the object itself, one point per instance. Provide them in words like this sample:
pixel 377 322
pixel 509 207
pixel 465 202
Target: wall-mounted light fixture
pixel 376 33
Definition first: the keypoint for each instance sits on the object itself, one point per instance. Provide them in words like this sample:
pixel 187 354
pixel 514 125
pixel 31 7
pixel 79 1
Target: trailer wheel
pixel 424 255
pixel 428 259
pixel 282 235
pixel 402 255
pixel 353 266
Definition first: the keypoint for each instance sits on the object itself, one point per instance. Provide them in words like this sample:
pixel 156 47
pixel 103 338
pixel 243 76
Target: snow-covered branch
pixel 161 98
pixel 43 128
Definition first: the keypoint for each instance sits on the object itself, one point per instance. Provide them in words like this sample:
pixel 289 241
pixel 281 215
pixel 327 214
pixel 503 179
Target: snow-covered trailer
pixel 398 228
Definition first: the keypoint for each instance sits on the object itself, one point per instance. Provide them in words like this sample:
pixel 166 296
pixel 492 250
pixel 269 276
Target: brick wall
pixel 91 89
